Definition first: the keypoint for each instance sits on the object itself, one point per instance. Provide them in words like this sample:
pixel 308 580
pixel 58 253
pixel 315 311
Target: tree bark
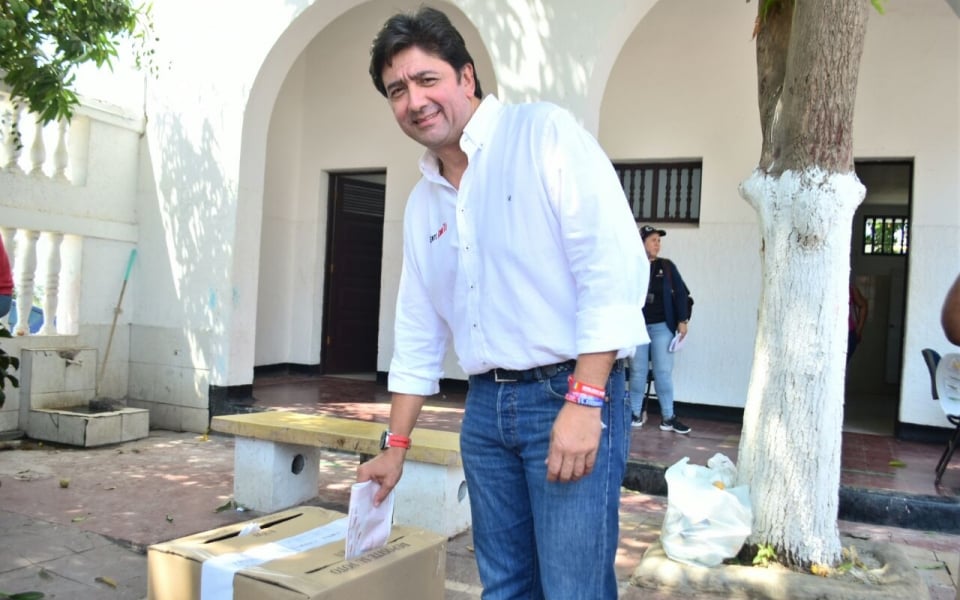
pixel 805 192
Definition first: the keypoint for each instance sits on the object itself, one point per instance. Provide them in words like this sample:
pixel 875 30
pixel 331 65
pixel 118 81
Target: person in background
pixel 6 281
pixel 666 313
pixel 519 248
pixel 857 318
pixel 950 314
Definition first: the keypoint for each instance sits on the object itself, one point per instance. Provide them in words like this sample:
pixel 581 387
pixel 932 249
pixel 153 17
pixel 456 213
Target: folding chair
pixel 932 359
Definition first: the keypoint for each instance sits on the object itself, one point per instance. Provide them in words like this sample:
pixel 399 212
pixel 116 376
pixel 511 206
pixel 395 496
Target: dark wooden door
pixel 352 297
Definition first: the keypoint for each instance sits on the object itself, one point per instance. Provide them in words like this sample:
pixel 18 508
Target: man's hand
pixel 385 469
pixel 574 441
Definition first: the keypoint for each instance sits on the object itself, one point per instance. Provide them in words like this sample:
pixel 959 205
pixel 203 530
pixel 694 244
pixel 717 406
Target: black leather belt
pixel 534 374
pixel 538 373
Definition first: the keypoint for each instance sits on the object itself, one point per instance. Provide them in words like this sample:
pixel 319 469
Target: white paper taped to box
pixel 216 574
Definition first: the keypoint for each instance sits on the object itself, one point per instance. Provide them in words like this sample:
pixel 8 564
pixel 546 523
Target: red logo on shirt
pixel 441 231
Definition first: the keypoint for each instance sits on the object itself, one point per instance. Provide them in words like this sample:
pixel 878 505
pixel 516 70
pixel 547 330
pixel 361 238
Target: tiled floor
pixel 173 484
pixel 868 461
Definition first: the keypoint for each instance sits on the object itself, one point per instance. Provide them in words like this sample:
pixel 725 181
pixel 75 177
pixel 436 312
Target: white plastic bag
pixel 707 520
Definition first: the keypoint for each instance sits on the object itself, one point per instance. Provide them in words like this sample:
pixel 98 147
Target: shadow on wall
pixel 198 215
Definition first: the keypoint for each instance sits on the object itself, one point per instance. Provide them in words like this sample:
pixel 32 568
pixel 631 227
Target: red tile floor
pixel 868 461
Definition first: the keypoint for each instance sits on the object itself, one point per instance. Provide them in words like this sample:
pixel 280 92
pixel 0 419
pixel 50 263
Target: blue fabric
pixel 535 539
pixel 4 304
pixel 36 317
pixel 853 340
pixel 656 353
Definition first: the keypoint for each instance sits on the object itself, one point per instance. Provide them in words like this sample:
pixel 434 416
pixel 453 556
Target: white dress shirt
pixel 532 262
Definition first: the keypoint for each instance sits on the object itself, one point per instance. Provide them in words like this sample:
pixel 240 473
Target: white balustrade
pixel 16 133
pixel 26 250
pixel 51 289
pixel 60 156
pixel 38 153
pixel 45 185
pixel 24 271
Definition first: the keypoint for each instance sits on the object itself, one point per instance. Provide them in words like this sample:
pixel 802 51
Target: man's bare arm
pixel 387 467
pixel 575 437
pixel 950 316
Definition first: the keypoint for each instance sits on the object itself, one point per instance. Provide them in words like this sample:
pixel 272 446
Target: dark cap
pixel 646 230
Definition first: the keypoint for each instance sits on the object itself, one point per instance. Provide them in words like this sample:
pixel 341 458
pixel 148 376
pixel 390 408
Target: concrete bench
pixel 277 465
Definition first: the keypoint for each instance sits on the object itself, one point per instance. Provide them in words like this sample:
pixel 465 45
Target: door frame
pixel 371 176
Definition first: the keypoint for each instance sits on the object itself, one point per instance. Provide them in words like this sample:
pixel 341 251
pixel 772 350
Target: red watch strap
pixel 397 441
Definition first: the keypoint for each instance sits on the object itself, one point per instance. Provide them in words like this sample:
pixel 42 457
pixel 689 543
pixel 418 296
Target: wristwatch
pixel 393 440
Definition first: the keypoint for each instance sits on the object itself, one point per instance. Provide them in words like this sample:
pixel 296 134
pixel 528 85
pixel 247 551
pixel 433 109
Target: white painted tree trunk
pixel 790 448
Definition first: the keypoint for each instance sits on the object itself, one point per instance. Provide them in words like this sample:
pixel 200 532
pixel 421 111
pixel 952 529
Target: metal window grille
pixel 662 192
pixel 886 236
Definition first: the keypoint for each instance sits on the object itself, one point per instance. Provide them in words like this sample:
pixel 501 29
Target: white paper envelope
pixel 677 343
pixel 368 526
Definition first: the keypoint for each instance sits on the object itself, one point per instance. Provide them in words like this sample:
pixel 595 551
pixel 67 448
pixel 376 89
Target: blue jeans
pixel 655 352
pixel 535 539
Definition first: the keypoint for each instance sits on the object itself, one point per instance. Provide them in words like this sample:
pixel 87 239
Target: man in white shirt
pixel 520 249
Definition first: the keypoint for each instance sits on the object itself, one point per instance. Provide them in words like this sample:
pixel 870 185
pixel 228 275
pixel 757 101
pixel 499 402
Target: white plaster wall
pixel 686 88
pixel 195 111
pixel 104 265
pixel 281 262
pixel 908 105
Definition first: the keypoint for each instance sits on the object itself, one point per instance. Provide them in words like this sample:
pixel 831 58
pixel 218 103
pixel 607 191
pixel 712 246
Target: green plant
pixel 22 596
pixel 41 44
pixel 766 554
pixel 7 362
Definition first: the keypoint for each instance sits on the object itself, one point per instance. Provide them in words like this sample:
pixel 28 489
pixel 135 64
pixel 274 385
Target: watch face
pixel 383 440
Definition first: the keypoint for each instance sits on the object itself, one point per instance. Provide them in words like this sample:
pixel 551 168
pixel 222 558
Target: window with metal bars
pixel 886 236
pixel 662 192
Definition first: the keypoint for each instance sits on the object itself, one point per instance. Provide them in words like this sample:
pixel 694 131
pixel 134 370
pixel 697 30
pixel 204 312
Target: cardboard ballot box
pixel 297 554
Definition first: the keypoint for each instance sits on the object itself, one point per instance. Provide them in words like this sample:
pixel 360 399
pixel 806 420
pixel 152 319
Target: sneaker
pixel 636 421
pixel 674 425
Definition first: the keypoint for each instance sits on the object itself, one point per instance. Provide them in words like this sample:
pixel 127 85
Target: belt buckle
pixel 498 379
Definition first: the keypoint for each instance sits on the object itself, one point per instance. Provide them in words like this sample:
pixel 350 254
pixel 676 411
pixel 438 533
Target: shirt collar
pixel 475 136
pixel 480 128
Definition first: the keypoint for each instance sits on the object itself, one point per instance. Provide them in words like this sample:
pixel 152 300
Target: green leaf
pixel 42 43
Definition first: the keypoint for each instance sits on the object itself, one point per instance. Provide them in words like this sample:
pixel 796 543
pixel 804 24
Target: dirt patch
pixel 886 573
